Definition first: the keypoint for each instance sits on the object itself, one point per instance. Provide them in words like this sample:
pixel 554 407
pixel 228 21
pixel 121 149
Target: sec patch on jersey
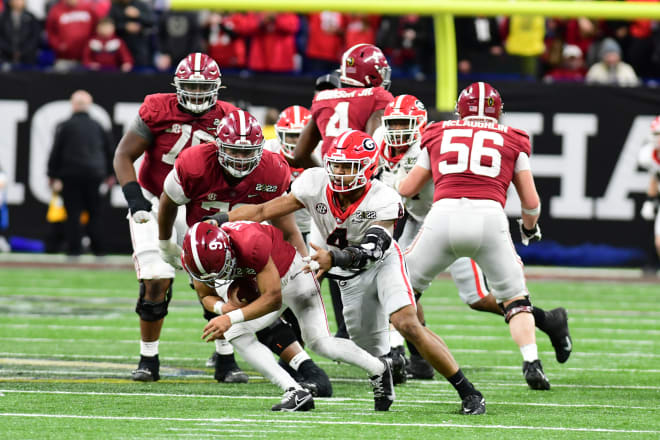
pixel 242 291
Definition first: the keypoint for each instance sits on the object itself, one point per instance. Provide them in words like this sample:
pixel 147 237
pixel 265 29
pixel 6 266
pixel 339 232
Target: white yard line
pixel 258 421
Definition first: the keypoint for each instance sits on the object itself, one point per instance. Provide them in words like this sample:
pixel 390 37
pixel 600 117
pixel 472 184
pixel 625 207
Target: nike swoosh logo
pixel 299 401
pixel 252 195
pixel 568 346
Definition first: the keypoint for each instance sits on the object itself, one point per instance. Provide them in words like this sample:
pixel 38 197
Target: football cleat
pixel 295 400
pixel 314 379
pixel 419 368
pixel 534 375
pixel 399 361
pixel 383 388
pixel 556 326
pixel 474 404
pixel 147 370
pixel 210 362
pixel 229 372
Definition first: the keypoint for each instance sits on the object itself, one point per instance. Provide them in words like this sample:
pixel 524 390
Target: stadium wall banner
pixel 585 144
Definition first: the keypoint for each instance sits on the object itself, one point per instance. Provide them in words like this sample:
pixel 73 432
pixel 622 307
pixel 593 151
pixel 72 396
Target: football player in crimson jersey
pixel 404 122
pixel 355 216
pixel 167 123
pixel 358 105
pixel 255 251
pixel 216 176
pixel 472 161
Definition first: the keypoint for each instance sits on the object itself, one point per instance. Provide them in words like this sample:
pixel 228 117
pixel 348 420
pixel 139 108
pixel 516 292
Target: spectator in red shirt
pixel 572 66
pixel 225 36
pixel 107 51
pixel 272 43
pixel 360 28
pixel 325 41
pixel 69 25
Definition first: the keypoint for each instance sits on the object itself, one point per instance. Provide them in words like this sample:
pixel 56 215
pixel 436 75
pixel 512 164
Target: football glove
pixel 527 235
pixel 170 252
pixel 139 206
pixel 649 208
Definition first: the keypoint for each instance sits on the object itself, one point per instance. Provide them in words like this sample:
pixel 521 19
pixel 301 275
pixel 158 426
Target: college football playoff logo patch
pixel 321 208
pixel 350 61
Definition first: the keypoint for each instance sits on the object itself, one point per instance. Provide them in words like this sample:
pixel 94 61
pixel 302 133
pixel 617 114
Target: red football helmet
pixel 351 160
pixel 364 65
pixel 479 100
pixel 207 254
pixel 404 120
pixel 289 125
pixel 197 81
pixel 240 143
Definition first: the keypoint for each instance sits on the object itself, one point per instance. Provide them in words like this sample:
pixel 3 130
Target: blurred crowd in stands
pixel 144 35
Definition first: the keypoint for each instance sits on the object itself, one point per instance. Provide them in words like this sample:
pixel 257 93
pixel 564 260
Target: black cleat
pixel 383 388
pixel 147 370
pixel 295 400
pixel 474 404
pixel 314 379
pixel 227 371
pixel 210 362
pixel 556 326
pixel 418 368
pixel 399 362
pixel 534 375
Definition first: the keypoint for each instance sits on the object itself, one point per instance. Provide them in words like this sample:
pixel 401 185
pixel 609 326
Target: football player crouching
pixel 235 250
pixel 356 215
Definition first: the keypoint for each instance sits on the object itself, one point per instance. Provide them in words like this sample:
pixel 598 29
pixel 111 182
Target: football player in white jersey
pixel 404 121
pixel 356 216
pixel 650 159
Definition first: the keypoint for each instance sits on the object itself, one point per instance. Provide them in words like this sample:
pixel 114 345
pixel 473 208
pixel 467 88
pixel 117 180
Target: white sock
pixel 298 359
pixel 530 352
pixel 261 359
pixel 222 346
pixel 396 339
pixel 149 348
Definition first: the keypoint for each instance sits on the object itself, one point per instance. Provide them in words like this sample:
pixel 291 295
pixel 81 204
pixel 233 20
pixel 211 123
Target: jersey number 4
pixel 469 157
pixel 338 122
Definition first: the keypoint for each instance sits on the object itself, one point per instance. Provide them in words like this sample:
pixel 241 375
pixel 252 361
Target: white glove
pixel 170 252
pixel 141 216
pixel 648 210
pixel 530 235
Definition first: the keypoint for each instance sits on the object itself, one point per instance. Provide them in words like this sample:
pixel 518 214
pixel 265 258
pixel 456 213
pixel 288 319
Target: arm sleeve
pixel 522 163
pixel 141 128
pixel 174 189
pixel 423 159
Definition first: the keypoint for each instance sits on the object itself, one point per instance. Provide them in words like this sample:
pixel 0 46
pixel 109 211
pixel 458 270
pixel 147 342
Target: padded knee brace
pixel 517 306
pixel 151 311
pixel 277 336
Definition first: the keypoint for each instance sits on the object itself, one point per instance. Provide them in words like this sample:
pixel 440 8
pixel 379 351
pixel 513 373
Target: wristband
pixel 217 308
pixel 236 316
pixel 535 211
pixel 218 217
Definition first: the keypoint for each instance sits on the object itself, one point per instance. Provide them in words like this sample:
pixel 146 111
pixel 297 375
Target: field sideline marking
pixel 326 400
pixel 326 422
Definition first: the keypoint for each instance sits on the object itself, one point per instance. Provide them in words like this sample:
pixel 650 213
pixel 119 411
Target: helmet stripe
pixel 481 98
pixel 242 129
pixel 343 136
pixel 193 246
pixel 198 62
pixel 296 114
pixel 399 102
